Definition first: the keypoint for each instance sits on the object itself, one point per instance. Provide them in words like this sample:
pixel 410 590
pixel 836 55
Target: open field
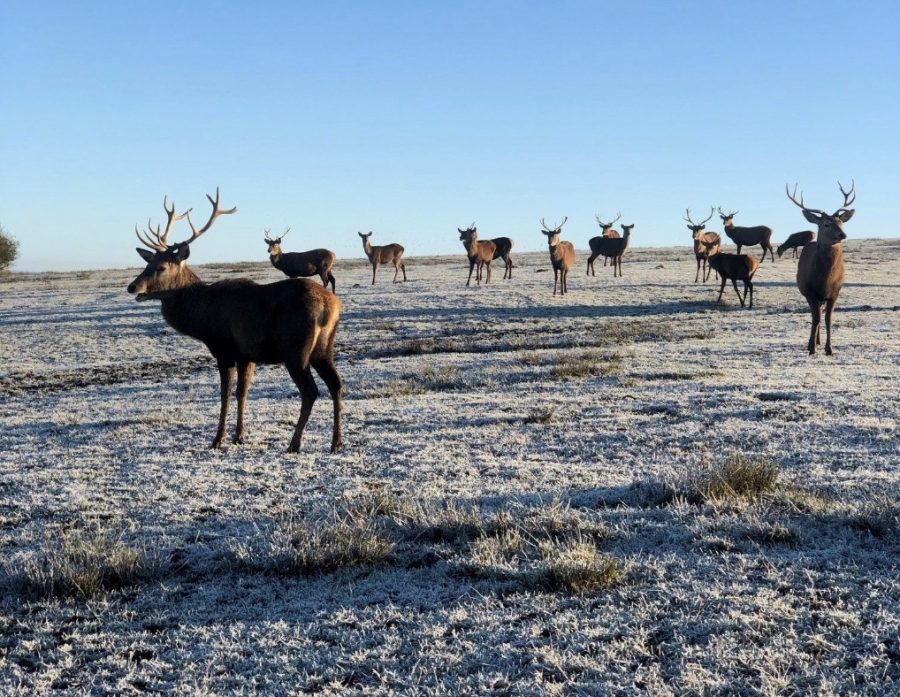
pixel 527 502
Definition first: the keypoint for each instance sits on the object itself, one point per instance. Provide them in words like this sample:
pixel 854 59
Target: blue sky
pixel 413 118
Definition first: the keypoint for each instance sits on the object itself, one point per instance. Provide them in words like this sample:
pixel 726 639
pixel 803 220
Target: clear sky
pixel 413 118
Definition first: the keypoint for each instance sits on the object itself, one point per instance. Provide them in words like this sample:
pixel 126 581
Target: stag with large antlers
pixel 820 271
pixel 705 243
pixel 607 230
pixel 748 236
pixel 562 255
pixel 316 262
pixel 482 253
pixel 243 323
pixel 385 254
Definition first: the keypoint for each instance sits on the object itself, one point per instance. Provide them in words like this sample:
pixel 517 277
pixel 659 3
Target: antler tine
pixel 847 194
pixel 286 231
pixel 216 212
pixel 172 219
pixel 266 232
pixel 617 217
pixel 597 218
pixel 544 225
pixel 793 196
pixel 712 212
pixel 147 242
pixel 687 212
pixel 559 227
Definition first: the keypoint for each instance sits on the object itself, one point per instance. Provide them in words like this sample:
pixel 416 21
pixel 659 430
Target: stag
pixel 611 248
pixel 796 241
pixel 385 254
pixel 482 253
pixel 705 243
pixel 748 236
pixel 316 262
pixel 562 255
pixel 243 323
pixel 736 267
pixel 607 230
pixel 820 271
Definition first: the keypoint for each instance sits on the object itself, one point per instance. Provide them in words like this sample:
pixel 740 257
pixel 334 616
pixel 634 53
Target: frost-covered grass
pixel 629 488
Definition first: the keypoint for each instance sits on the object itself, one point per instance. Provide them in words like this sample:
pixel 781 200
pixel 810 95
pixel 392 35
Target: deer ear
pixel 811 217
pixel 845 215
pixel 146 254
pixel 182 252
pixel 690 227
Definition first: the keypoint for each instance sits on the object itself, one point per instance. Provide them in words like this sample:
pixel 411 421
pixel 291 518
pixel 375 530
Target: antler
pixel 728 215
pixel 284 234
pixel 847 194
pixel 161 242
pixel 712 212
pixel 195 233
pixel 793 198
pixel 601 223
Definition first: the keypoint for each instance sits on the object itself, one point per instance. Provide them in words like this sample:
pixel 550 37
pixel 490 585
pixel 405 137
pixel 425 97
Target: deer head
pixel 726 217
pixel 606 226
pixel 553 233
pixel 831 227
pixel 697 228
pixel 626 229
pixel 166 263
pixel 469 234
pixel 275 244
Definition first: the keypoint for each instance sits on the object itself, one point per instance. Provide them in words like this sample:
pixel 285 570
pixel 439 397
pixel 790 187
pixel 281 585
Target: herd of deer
pixel 294 321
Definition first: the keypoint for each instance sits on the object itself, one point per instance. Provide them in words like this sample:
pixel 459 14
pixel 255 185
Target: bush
pixel 9 249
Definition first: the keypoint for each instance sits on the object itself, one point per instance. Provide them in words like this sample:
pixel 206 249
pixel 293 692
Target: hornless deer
pixel 820 271
pixel 562 255
pixel 748 236
pixel 737 267
pixel 316 262
pixel 797 240
pixel 243 323
pixel 607 230
pixel 482 253
pixel 611 248
pixel 705 243
pixel 386 254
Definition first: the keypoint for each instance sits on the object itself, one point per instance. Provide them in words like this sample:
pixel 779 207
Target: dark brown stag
pixel 385 254
pixel 820 271
pixel 705 243
pixel 315 262
pixel 610 248
pixel 607 230
pixel 562 256
pixel 748 236
pixel 736 267
pixel 243 323
pixel 482 253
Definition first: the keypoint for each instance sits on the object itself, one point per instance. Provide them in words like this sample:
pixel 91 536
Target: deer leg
pixel 590 265
pixel 734 284
pixel 226 383
pixel 403 267
pixel 816 312
pixel 721 290
pixel 327 371
pixel 471 269
pixel 374 269
pixel 488 264
pixel 331 280
pixel 829 308
pixel 697 275
pixel 749 284
pixel 396 271
pixel 507 260
pixel 244 377
pixel 302 377
pixel 563 287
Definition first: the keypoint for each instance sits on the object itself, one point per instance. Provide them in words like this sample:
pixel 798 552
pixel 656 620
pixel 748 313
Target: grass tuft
pixel 738 476
pixel 576 566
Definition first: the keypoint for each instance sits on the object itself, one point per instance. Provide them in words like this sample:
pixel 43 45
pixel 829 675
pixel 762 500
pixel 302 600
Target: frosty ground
pixel 489 432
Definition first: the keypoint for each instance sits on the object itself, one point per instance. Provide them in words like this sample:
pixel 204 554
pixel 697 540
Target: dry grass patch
pixel 738 476
pixel 576 566
pixel 539 415
pixel 587 364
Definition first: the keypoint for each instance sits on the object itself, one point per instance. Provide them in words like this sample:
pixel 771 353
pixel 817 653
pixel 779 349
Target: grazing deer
pixel 611 248
pixel 607 230
pixel 316 262
pixel 243 323
pixel 748 236
pixel 705 243
pixel 562 256
pixel 820 271
pixel 737 267
pixel 386 254
pixel 795 241
pixel 482 253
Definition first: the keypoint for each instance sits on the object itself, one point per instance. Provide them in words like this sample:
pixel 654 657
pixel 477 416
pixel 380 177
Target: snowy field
pixel 491 434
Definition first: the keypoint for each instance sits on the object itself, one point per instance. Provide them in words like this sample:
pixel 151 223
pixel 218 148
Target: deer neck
pixel 276 260
pixel 367 248
pixel 178 303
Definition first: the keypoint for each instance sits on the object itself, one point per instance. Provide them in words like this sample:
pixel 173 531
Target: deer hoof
pixel 216 444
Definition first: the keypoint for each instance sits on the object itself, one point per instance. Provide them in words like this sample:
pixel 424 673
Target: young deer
pixel 607 230
pixel 482 253
pixel 611 248
pixel 243 323
pixel 820 271
pixel 796 241
pixel 316 262
pixel 562 255
pixel 748 236
pixel 737 267
pixel 705 243
pixel 386 254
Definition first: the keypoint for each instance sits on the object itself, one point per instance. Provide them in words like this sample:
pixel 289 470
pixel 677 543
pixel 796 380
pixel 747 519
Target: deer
pixel 242 323
pixel 316 262
pixel 607 230
pixel 748 236
pixel 385 254
pixel 737 267
pixel 795 241
pixel 705 243
pixel 820 270
pixel 562 255
pixel 482 253
pixel 611 248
